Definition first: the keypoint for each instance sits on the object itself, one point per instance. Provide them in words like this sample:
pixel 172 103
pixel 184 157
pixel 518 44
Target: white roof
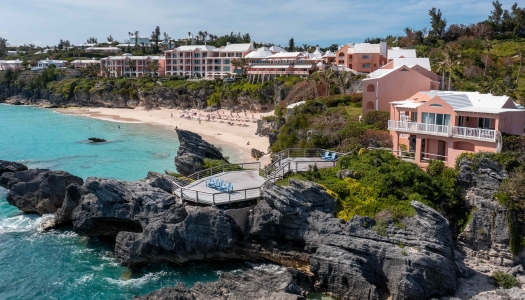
pixel 52 61
pixel 86 61
pixel 397 53
pixel 286 55
pixel 364 48
pixel 380 73
pixel 262 52
pixel 329 54
pixel 238 48
pixel 270 66
pixel 10 61
pixel 194 47
pixel 466 101
pixel 103 48
pixel 277 49
pixel 410 62
pixel 317 52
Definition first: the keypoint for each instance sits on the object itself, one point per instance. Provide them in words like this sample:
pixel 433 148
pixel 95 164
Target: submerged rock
pixel 252 284
pixel 39 191
pixel 97 140
pixel 192 152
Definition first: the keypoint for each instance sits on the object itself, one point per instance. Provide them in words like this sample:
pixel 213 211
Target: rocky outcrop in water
pixel 64 214
pixel 486 236
pixel 38 191
pixel 149 225
pixel 11 167
pixel 192 152
pixel 252 284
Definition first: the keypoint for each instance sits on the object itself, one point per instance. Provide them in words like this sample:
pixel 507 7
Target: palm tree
pixel 305 47
pixel 132 66
pixel 316 78
pixel 326 79
pixel 153 67
pixel 342 78
pixel 106 71
pixel 200 34
pixel 522 49
pixel 189 38
pixel 136 40
pixel 451 56
pixel 205 35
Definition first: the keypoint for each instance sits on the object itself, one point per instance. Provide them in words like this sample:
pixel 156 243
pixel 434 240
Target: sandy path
pixel 213 132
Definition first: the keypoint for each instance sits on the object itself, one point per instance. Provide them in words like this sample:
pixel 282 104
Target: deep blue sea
pixel 60 264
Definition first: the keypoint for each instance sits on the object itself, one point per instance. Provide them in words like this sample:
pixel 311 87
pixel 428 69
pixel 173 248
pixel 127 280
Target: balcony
pixel 479 134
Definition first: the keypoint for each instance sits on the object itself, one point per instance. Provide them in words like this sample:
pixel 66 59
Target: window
pixel 226 69
pixel 366 56
pixel 197 62
pixel 197 55
pixel 197 68
pixel 437 119
pixel 226 61
pixel 484 123
pixel 366 66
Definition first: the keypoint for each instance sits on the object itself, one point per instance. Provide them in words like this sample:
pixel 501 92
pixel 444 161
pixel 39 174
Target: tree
pixel 132 66
pixel 110 39
pixel 205 35
pixel 437 23
pixel 136 40
pixel 451 56
pixel 189 38
pixel 305 47
pixel 92 40
pixel 241 63
pixel 495 18
pixel 326 79
pixel 291 45
pixel 315 77
pixel 487 44
pixel 155 36
pixel 3 47
pixel 522 49
pixel 153 67
pixel 342 79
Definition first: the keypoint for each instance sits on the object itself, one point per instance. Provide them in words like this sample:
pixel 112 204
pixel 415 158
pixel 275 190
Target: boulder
pixel 192 152
pixel 7 166
pixel 256 153
pixel 164 182
pixel 38 191
pixel 253 284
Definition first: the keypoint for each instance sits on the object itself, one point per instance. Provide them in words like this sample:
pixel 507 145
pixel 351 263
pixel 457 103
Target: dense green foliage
pixel 384 185
pixel 329 122
pixel 505 280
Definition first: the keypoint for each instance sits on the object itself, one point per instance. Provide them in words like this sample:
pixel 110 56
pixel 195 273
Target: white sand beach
pixel 216 131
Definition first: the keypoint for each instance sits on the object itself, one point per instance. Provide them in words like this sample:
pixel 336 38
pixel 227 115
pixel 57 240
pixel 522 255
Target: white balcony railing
pixel 444 130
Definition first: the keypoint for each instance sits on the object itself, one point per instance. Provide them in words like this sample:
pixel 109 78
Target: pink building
pixel 396 81
pixel 119 65
pixel 283 63
pixel 363 57
pixel 205 61
pixel 10 64
pixel 442 125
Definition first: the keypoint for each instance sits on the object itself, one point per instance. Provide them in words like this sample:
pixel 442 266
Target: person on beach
pixel 247 144
pixel 118 126
pixel 172 115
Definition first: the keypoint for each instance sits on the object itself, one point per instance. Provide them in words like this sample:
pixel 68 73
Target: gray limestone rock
pixel 192 152
pixel 38 191
pixel 252 284
pixel 73 195
pixel 7 166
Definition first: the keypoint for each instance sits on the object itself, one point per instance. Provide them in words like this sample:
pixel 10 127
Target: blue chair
pixel 326 155
pixel 223 186
pixel 210 182
pixel 217 183
pixel 332 158
pixel 230 187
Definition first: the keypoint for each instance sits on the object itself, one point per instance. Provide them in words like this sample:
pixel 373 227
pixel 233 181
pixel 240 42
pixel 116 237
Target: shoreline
pixel 214 132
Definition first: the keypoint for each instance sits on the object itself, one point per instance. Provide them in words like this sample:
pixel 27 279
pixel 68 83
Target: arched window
pixel 371 88
pixel 370 105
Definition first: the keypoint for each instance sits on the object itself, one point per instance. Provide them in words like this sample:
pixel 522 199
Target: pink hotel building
pixel 441 125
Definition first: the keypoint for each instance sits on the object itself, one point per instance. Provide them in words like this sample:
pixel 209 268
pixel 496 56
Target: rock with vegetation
pixel 165 182
pixel 38 191
pixel 486 236
pixel 256 153
pixel 363 256
pixel 192 152
pixel 8 166
pixel 252 284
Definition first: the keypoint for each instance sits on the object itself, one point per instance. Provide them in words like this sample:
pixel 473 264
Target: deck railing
pixel 224 168
pixel 480 134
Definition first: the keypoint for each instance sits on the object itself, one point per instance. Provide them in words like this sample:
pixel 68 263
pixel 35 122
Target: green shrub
pixel 380 227
pixel 378 119
pixel 504 280
pixel 212 163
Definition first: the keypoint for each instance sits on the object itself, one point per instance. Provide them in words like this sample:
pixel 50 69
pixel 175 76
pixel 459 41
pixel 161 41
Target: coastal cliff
pixel 294 226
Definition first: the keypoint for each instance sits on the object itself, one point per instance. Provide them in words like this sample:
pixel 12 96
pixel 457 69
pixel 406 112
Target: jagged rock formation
pixel 256 153
pixel 7 166
pixel 350 260
pixel 64 214
pixel 504 294
pixel 165 182
pixel 252 284
pixel 192 152
pixel 150 226
pixel 486 236
pixel 269 128
pixel 38 191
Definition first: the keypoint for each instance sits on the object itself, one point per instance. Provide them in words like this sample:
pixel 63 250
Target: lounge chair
pixel 210 183
pixel 332 157
pixel 230 187
pixel 217 183
pixel 223 187
pixel 326 155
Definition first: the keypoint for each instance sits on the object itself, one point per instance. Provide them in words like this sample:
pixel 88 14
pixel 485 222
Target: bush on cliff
pixel 385 184
pixel 504 280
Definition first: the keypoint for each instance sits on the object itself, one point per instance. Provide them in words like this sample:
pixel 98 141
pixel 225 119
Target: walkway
pixel 249 181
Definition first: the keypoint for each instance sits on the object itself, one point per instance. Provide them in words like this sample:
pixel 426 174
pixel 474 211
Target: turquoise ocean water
pixel 60 264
